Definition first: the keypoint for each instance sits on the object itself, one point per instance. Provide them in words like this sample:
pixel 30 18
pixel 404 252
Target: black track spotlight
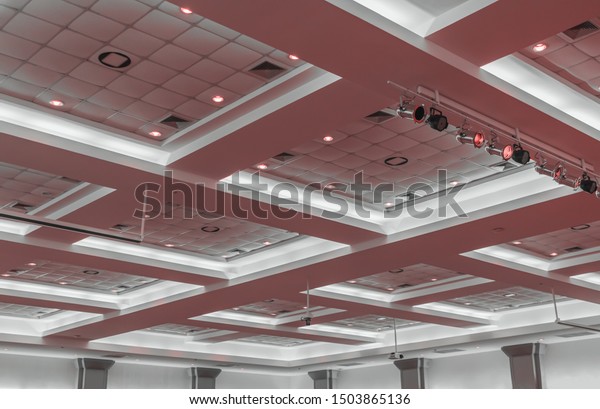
pixel 556 173
pixel 417 114
pixel 436 120
pixel 588 185
pixel 477 139
pixel 505 153
pixel 520 155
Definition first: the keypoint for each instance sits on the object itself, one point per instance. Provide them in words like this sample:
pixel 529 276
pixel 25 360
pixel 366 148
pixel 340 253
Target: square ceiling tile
pixel 35 75
pixel 589 45
pixel 130 86
pixel 186 85
pixel 75 88
pixel 235 56
pixel 31 28
pixel 375 152
pixel 91 111
pixel 307 147
pixel 164 98
pixel 174 57
pixel 96 26
pixel 145 111
pixel 75 44
pixel 55 11
pixel 209 71
pixel 8 64
pixel 125 122
pixel 255 45
pixel 420 151
pixel 586 70
pixel 351 162
pixel 137 42
pixel 423 134
pixel 200 41
pixel 161 25
pixel 376 134
pixel 17 47
pixel 6 14
pixel 125 12
pixel 94 74
pixel 329 170
pixel 241 83
pixel 110 99
pixel 327 153
pixel 20 89
pixel 195 109
pixel 152 72
pixel 218 29
pixel 351 144
pixel 399 143
pixel 55 60
pixel 567 56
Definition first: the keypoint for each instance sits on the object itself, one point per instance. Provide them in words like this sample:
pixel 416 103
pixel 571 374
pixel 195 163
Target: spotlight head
pixel 570 182
pixel 588 185
pixel 559 173
pixel 477 139
pixel 395 355
pixel 417 114
pixel 506 152
pixel 519 155
pixel 436 120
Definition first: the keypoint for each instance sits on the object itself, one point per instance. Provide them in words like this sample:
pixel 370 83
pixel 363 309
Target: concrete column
pixel 323 379
pixel 412 372
pixel 93 373
pixel 204 378
pixel 525 365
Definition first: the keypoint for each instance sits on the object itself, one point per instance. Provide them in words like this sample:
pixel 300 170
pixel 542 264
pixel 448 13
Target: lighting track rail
pixel 496 127
pixel 38 221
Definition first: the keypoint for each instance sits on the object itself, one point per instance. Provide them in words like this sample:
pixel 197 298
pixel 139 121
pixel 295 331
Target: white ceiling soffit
pixel 581 111
pixel 420 17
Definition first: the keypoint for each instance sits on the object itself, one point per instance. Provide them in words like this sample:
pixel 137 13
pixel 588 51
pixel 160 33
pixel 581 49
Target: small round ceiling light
pixel 218 99
pixel 581 227
pixel 396 270
pixel 293 57
pixel 210 229
pixel 114 59
pixel 328 138
pixel 56 103
pixel 155 134
pixel 267 243
pixel 185 10
pixel 91 272
pixel 539 47
pixel 262 166
pixel 510 295
pixel 388 204
pixel 553 254
pixel 32 264
pixel 169 245
pixel 516 243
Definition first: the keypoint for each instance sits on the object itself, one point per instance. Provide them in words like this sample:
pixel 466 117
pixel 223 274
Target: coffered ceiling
pixel 175 177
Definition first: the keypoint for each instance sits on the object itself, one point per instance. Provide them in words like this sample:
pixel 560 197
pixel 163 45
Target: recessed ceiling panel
pixel 372 323
pixel 185 330
pixel 205 233
pixel 130 65
pixel 273 308
pixel 275 341
pixel 26 311
pixel 504 300
pixel 81 278
pixel 405 278
pixel 562 242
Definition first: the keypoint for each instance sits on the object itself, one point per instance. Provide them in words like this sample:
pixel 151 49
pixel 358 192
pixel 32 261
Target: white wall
pixel 574 364
pixel 25 372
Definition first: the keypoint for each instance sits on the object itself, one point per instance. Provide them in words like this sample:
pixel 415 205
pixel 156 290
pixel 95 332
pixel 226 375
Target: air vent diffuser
pixel 284 157
pixel 573 249
pixel 381 116
pixel 175 122
pixel 266 70
pixel 581 30
pixel 448 351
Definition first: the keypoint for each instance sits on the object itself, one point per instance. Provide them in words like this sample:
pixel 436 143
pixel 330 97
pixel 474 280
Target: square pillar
pixel 525 365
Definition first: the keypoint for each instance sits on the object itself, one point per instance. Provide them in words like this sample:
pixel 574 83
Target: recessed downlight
pixel 390 288
pixel 185 10
pixel 32 264
pixel 539 47
pixel 210 229
pixel 352 281
pixel 262 166
pixel 509 295
pixel 218 99
pixel 91 272
pixel 396 270
pixel 169 245
pixel 293 57
pixel 553 254
pixel 56 103
pixel 328 138
pixel 5 274
pixel 517 242
pixel 388 204
pixel 581 227
pixel 155 134
pixel 267 243
pixel 62 283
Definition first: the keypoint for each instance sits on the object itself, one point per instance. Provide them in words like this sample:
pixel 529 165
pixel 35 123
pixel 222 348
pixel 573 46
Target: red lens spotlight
pixel 477 139
pixel 505 153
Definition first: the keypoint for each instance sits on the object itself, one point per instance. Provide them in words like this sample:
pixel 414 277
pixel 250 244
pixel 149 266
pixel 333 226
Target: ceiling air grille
pixel 573 249
pixel 284 157
pixel 581 30
pixel 382 116
pixel 175 122
pixel 266 70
